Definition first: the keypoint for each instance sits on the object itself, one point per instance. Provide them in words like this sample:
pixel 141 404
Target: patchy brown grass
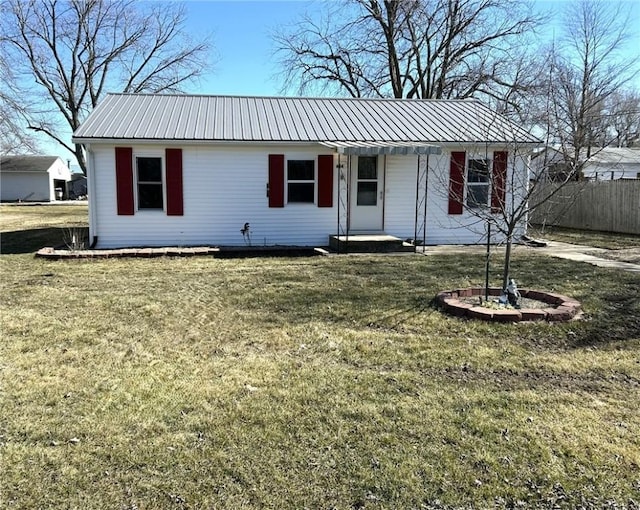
pixel 326 382
pixel 25 228
pixel 596 239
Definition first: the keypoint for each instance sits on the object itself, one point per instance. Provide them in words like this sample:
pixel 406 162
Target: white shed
pixel 33 178
pixel 166 170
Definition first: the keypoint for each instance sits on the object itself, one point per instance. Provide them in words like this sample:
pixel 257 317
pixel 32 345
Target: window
pixel 478 183
pixel 367 192
pixel 149 179
pixel 300 181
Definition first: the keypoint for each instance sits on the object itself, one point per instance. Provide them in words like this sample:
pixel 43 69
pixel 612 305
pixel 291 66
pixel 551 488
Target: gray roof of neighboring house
pixel 26 163
pixel 288 119
pixel 615 156
pixel 599 155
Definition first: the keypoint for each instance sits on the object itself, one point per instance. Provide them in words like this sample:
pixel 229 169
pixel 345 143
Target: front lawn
pixel 25 228
pixel 327 382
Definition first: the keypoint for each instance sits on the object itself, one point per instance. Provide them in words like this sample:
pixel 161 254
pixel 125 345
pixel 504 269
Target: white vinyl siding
pixel 442 228
pixel 27 186
pixel 224 187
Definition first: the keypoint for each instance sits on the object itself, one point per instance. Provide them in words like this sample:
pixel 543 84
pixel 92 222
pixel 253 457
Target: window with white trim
pixel 367 188
pixel 478 183
pixel 149 183
pixel 301 181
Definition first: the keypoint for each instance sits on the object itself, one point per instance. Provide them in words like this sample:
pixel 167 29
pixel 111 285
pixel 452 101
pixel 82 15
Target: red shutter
pixel 173 161
pixel 456 182
pixel 124 180
pixel 499 181
pixel 325 181
pixel 276 180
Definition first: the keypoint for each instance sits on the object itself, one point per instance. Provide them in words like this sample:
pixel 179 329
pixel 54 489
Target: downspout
pixel 339 200
pixel 415 220
pixel 426 198
pixel 91 192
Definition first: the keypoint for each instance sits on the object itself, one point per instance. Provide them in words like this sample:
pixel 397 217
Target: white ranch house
pixel 179 170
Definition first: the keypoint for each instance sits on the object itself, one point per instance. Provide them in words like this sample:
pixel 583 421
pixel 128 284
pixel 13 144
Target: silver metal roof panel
pixel 268 119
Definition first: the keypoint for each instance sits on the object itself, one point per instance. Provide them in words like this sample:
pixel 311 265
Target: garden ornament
pixel 512 293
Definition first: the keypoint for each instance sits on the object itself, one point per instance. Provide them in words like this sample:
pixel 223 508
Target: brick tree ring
pixel 458 302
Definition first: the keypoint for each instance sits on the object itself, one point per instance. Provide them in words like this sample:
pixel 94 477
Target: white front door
pixel 367 194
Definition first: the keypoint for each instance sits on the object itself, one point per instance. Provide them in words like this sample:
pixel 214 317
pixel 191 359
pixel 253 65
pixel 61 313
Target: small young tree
pixel 499 184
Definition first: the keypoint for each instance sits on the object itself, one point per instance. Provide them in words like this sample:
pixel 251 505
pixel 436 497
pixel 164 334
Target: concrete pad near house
pixel 369 243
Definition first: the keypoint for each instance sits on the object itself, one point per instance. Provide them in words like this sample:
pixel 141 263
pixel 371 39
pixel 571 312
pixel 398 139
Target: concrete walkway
pixel 587 254
pixel 577 252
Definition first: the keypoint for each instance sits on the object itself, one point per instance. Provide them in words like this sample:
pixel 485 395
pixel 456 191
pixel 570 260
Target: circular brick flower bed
pixel 456 302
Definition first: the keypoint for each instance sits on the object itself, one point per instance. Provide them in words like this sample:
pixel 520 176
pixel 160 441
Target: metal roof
pixel 615 156
pixel 39 164
pixel 289 119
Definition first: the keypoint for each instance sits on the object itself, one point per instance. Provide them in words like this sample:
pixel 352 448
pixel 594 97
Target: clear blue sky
pixel 241 35
pixel 240 32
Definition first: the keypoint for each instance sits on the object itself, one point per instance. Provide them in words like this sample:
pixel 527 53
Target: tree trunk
pixel 507 262
pixel 82 161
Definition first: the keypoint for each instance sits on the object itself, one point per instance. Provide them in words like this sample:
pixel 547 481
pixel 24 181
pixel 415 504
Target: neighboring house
pixel 192 170
pixel 604 163
pixel 612 163
pixel 33 178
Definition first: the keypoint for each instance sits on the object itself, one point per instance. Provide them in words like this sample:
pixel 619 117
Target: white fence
pixel 611 206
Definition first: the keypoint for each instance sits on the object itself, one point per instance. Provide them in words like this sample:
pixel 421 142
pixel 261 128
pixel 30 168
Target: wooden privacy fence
pixel 611 206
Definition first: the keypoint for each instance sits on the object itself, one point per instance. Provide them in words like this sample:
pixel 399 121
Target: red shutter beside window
pixel 325 181
pixel 173 161
pixel 276 180
pixel 456 182
pixel 499 181
pixel 124 180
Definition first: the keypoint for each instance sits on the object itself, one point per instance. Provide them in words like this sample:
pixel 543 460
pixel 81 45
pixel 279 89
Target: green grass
pixel 326 382
pixel 594 238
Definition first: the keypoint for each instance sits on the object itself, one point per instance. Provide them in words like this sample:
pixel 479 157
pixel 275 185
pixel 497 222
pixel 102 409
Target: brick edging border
pixel 561 309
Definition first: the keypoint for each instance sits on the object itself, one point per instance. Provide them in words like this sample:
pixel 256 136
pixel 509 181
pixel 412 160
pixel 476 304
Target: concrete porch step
pixel 369 243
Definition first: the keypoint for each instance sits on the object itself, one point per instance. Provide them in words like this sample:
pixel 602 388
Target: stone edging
pixel 562 308
pixel 51 253
pixel 182 251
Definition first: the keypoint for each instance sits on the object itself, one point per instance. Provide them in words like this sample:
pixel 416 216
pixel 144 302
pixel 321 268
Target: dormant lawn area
pixel 311 383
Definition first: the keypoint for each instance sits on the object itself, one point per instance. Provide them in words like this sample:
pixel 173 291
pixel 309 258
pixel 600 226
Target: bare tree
pixel 587 71
pixel 68 52
pixel 624 118
pixel 14 138
pixel 411 48
pixel 498 187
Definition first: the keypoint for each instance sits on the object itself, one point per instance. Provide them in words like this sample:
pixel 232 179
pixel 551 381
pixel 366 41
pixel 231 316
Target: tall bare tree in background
pixel 14 139
pixel 624 114
pixel 428 49
pixel 588 92
pixel 67 53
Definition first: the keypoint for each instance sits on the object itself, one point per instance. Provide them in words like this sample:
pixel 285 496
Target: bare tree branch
pixel 408 48
pixel 75 49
